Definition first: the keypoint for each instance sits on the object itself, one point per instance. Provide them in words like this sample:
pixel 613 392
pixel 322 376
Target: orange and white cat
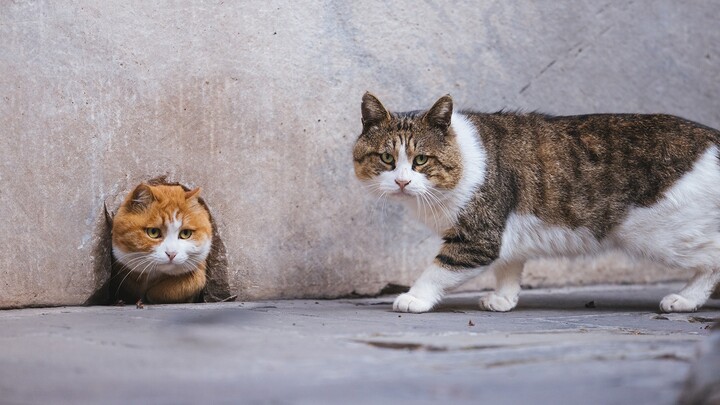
pixel 161 237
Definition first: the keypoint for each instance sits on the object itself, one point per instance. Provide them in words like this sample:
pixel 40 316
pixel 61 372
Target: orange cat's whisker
pixel 152 267
pixel 122 281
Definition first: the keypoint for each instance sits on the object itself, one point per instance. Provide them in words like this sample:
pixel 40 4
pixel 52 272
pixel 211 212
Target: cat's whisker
pixel 152 267
pixel 133 269
pixel 195 260
pixel 150 263
pixel 194 263
pixel 421 205
pixel 384 204
pixel 134 254
pixel 441 204
pixel 418 203
pixel 443 208
pixel 132 262
pixel 186 267
pixel 379 198
pixel 432 209
pixel 117 291
pixel 374 187
pixel 438 218
pixel 132 257
pixel 191 266
pixel 129 271
pixel 379 201
pixel 137 264
pixel 119 272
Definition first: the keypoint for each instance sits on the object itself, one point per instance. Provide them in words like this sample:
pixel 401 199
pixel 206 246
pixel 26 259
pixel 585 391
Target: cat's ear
pixel 373 112
pixel 440 113
pixel 192 193
pixel 140 198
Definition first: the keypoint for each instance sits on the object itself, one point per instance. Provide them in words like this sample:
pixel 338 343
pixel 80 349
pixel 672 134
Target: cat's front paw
pixel 677 303
pixel 497 303
pixel 409 303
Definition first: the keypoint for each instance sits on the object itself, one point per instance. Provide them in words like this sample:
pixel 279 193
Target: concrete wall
pixel 258 103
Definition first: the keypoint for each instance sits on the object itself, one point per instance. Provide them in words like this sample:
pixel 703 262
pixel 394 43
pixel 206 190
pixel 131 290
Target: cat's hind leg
pixel 507 288
pixel 695 293
pixel 429 289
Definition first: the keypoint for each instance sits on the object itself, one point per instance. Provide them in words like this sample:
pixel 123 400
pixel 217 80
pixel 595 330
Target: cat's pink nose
pixel 171 255
pixel 402 183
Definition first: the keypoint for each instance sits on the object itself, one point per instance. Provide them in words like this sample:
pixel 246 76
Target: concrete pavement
pixel 573 345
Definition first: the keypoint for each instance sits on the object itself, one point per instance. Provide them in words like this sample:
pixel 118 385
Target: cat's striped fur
pixel 504 188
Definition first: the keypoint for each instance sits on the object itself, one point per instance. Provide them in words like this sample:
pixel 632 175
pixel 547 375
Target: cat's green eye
pixel 387 158
pixel 420 160
pixel 186 234
pixel 153 232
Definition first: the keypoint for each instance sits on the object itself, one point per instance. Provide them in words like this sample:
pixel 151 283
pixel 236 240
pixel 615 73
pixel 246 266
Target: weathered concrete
pixel 703 383
pixel 258 103
pixel 552 349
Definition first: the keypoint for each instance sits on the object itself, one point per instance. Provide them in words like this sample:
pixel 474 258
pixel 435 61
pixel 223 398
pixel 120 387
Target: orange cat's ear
pixel 192 193
pixel 373 112
pixel 140 198
pixel 440 113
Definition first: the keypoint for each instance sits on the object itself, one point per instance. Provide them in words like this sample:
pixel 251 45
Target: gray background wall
pixel 258 103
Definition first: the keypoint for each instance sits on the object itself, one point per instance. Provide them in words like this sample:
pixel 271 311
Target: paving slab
pixel 587 345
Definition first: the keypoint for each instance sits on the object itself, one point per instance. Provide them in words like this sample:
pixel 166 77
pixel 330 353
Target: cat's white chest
pixel 437 217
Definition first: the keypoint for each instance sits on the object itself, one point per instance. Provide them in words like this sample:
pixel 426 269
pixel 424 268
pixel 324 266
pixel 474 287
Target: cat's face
pixel 411 154
pixel 163 228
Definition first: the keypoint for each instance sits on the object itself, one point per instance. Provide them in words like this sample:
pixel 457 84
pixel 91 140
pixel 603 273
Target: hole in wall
pixel 217 287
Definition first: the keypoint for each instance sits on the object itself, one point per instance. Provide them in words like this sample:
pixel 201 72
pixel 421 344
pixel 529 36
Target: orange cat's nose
pixel 171 255
pixel 402 183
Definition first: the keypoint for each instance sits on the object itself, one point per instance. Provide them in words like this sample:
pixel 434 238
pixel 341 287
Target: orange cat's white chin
pixel 175 268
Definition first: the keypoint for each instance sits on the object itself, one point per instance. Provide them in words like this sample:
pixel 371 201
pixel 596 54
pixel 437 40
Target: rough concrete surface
pixel 702 385
pixel 258 103
pixel 556 347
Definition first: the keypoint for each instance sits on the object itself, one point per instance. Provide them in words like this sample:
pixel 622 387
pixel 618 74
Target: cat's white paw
pixel 409 303
pixel 677 303
pixel 497 303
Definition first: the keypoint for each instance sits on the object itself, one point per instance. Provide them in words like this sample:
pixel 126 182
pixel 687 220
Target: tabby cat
pixel 161 237
pixel 504 188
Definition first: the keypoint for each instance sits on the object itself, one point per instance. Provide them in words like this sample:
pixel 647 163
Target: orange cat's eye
pixel 153 232
pixel 387 158
pixel 186 233
pixel 420 160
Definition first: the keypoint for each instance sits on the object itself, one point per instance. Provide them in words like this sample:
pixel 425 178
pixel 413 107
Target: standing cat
pixel 161 237
pixel 504 188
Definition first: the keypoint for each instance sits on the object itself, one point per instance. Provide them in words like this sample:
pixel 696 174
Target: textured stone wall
pixel 258 103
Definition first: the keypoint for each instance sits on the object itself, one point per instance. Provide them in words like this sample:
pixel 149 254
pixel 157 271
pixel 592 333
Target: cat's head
pixel 162 227
pixel 411 154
